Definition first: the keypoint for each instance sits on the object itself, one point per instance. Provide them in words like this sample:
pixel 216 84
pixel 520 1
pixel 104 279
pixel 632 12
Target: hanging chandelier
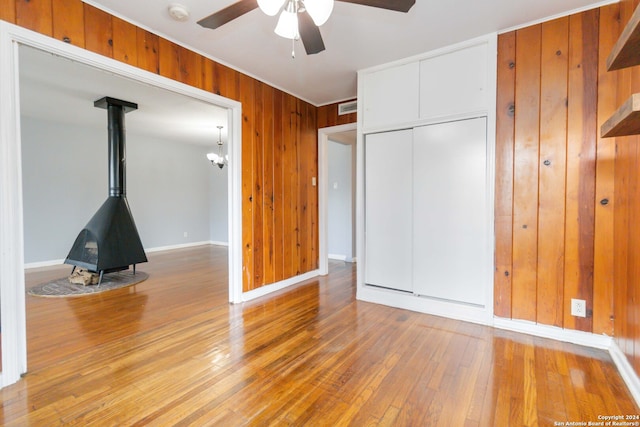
pixel 218 158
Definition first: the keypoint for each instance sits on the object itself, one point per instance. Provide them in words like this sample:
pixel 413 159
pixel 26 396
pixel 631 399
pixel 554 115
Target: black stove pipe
pixel 116 109
pixel 110 241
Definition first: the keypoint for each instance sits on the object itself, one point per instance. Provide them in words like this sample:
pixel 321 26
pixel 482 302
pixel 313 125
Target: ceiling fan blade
pixel 397 5
pixel 229 13
pixel 310 34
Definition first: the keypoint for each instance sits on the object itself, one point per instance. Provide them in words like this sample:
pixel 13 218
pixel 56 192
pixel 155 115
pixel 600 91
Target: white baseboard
pixel 626 371
pixel 436 307
pixel 267 289
pixel 180 246
pixel 604 342
pixel 53 262
pixel 559 334
pixel 341 258
pixel 39 264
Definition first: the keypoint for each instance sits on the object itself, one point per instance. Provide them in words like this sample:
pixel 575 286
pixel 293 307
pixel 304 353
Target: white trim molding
pixel 323 192
pixel 559 15
pixel 421 304
pixel 14 354
pixel 53 262
pixel 586 339
pixel 39 264
pixel 267 289
pixel 12 287
pixel 628 374
pixel 179 246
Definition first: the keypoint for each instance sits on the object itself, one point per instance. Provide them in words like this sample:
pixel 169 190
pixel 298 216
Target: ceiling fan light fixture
pixel 288 25
pixel 319 10
pixel 270 7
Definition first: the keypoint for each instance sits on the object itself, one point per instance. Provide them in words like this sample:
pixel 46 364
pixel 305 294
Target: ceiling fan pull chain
pixel 293 48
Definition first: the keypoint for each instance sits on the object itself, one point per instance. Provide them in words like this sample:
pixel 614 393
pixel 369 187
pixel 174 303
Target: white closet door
pixel 450 211
pixel 388 209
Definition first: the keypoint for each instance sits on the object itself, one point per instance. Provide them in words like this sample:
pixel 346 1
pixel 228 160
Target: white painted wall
pixel 218 204
pixel 341 200
pixel 65 180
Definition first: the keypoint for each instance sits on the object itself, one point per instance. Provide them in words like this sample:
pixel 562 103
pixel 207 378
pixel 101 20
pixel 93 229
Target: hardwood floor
pixel 172 351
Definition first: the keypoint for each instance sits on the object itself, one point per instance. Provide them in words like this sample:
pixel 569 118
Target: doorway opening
pixel 13 42
pixel 337 194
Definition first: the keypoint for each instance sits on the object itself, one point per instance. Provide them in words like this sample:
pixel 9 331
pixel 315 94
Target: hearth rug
pixel 61 288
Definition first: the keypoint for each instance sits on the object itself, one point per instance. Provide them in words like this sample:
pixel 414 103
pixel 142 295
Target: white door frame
pixel 12 286
pixel 323 195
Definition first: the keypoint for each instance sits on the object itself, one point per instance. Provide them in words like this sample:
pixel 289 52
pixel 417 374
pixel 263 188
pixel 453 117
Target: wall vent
pixel 347 107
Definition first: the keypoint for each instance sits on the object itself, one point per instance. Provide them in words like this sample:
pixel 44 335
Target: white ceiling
pixel 355 36
pixel 347 137
pixel 60 90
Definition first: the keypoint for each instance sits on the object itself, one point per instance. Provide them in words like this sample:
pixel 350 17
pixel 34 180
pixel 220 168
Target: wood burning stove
pixel 110 241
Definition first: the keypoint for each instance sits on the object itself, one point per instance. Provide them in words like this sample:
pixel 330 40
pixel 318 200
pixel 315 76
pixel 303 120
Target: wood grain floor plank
pixel 172 351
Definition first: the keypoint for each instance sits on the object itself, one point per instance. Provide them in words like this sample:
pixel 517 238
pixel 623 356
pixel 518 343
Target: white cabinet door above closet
pixel 450 221
pixel 388 210
pixel 454 83
pixel 391 96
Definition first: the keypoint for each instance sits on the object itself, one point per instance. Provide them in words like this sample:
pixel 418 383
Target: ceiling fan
pixel 299 19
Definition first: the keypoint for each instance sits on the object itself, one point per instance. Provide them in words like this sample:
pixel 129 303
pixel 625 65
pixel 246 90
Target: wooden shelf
pixel 625 121
pixel 625 52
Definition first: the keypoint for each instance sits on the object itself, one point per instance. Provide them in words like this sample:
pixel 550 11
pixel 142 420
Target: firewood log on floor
pixel 80 276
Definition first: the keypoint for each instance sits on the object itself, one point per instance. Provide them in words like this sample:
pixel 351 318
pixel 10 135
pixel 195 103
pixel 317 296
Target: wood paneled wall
pixel 279 142
pixel 626 234
pixel 328 116
pixel 553 234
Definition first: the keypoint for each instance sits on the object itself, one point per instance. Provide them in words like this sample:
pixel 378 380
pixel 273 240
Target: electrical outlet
pixel 578 307
pixel 186 234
